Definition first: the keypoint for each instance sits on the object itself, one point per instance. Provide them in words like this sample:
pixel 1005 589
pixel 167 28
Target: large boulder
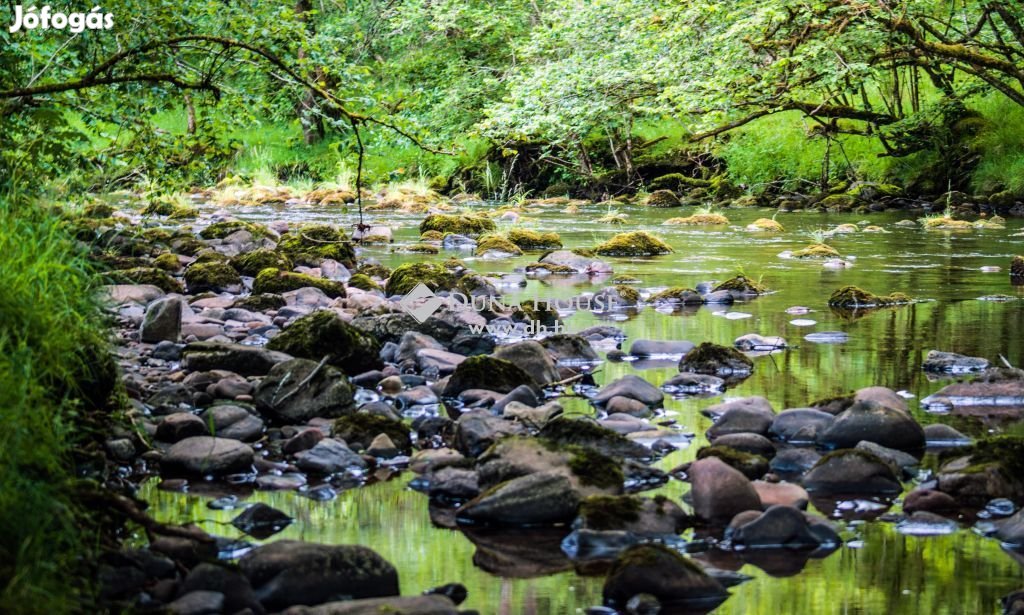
pixel 490 374
pixel 589 471
pixel 568 348
pixel 532 358
pixel 719 491
pixel 781 527
pixel 162 321
pixel 477 430
pixel 716 360
pixel 324 334
pixel 543 498
pixel 632 387
pixel 207 456
pixel 800 425
pixel 290 572
pixel 851 471
pixel 741 419
pixel 240 359
pixel 873 422
pixel 329 456
pixel 299 390
pixel 663 573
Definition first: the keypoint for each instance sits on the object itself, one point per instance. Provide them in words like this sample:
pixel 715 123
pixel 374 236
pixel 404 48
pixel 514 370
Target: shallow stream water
pixel 878 570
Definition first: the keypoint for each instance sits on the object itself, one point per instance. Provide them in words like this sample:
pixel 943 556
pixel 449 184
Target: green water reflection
pixel 889 573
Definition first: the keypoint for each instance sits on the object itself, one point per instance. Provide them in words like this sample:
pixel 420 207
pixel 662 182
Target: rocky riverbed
pixel 745 419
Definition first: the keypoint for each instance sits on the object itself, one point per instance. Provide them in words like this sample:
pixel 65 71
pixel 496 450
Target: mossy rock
pixel 374 270
pixel 98 211
pixel 358 431
pixel 677 182
pixel 262 302
pixel 855 297
pixel 458 224
pixel 474 284
pixel 752 466
pixel 308 245
pixel 748 200
pixel 422 248
pixel 220 230
pixel 626 279
pixel 168 262
pixel 276 281
pixel 183 212
pixel 251 263
pixel 708 358
pixel 189 246
pixel 209 256
pixel 817 250
pixel 594 469
pixel 553 269
pixel 635 243
pixel 488 373
pixel 1005 450
pixel 532 240
pixel 158 207
pixel 870 191
pixel 629 294
pixel 212 276
pixel 945 223
pixel 662 198
pixel 432 236
pixel 324 334
pixel 148 275
pixel 610 512
pixel 698 220
pixel 588 434
pixel 838 203
pixel 405 277
pixel 156 234
pixel 765 225
pixel 496 243
pixel 677 295
pixel 363 282
pixel 743 285
pixel 540 312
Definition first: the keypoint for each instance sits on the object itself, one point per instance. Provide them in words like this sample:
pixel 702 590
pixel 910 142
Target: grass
pixel 1002 159
pixel 51 338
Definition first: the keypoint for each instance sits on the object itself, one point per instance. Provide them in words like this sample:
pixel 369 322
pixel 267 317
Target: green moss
pixel 698 220
pixel 625 279
pixel 189 246
pixel 742 284
pixel 276 281
pixel 421 248
pixel 636 243
pixel 662 198
pixel 817 250
pixel 220 230
pixel 854 297
pixel 148 275
pixel 766 225
pixel 358 431
pixel 432 236
pixel 167 262
pixel 251 263
pixel 213 276
pixel 158 207
pixel 324 334
pixel 363 282
pixel 677 294
pixel 610 512
pixel 629 294
pixel 532 240
pixel 156 234
pixel 594 469
pixel 752 466
pixel 498 243
pixel 945 223
pixel 676 182
pixel 540 312
pixel 489 373
pixel 1005 450
pixel 555 269
pixel 308 245
pixel 405 277
pixel 459 224
pixel 183 212
pixel 374 270
pixel 838 203
pixel 261 303
pixel 587 252
pixel 209 256
pixel 707 358
pixel 98 210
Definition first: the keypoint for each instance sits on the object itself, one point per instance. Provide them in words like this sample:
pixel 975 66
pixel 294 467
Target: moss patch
pixel 636 243
pixel 766 225
pixel 945 223
pixel 212 276
pixel 698 220
pixel 610 512
pixel 1007 451
pixel 422 248
pixel 405 277
pixel 148 275
pixel 459 224
pixel 276 281
pixel 220 230
pixel 752 466
pixel 662 198
pixel 594 469
pixel 709 358
pixel 251 263
pixel 677 294
pixel 432 236
pixel 363 282
pixel 817 250
pixel 742 284
pixel 629 294
pixel 168 262
pixel 854 297
pixel 324 334
pixel 358 431
pixel 308 245
pixel 261 303
pixel 497 243
pixel 488 373
pixel 532 240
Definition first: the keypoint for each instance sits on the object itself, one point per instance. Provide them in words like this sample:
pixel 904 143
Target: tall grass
pixel 52 348
pixel 1001 145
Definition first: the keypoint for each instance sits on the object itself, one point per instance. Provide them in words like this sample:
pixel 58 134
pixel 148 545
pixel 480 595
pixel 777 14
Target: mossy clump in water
pixel 488 373
pixel 625 279
pixel 844 229
pixel 220 230
pixel 158 207
pixel 148 275
pixel 358 431
pixel 405 277
pixel 766 225
pixel 374 270
pixel 752 466
pixel 308 245
pixel 873 229
pixel 589 434
pixel 272 280
pixel 662 198
pixel 698 220
pixel 422 248
pixel 677 181
pixel 209 256
pixel 635 243
pixel 742 284
pixel 610 512
pixel 458 224
pixel 677 294
pixel 212 276
pixel 713 359
pixel 183 212
pixel 817 250
pixel 432 236
pixel 251 263
pixel 324 334
pixel 1005 450
pixel 629 294
pixel 189 246
pixel 555 269
pixel 532 240
pixel 168 262
pixel 363 282
pixel 945 223
pixel 543 313
pixel 854 297
pixel 595 469
pixel 260 303
pixel 496 243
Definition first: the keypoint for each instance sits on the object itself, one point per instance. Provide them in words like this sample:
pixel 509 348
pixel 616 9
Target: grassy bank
pixel 54 368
